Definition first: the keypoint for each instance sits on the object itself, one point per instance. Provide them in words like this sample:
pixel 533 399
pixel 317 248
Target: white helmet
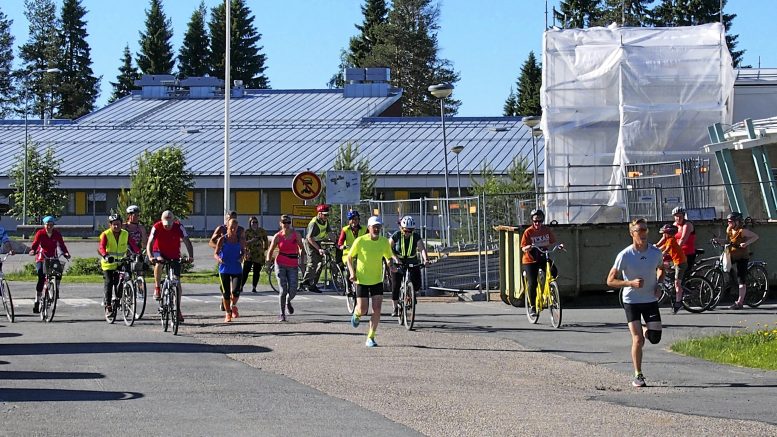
pixel 407 222
pixel 133 209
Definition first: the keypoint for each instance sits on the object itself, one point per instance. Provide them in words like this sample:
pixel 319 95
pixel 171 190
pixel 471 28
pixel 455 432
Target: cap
pixel 167 218
pixel 374 220
pixel 49 218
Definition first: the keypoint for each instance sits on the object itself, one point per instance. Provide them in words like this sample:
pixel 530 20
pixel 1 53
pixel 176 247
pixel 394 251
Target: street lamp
pixel 531 122
pixel 27 137
pixel 457 150
pixel 441 92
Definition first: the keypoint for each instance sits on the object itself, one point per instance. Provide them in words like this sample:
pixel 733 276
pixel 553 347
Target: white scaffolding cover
pixel 614 96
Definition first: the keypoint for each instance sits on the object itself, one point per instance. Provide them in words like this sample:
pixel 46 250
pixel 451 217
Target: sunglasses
pixel 537 221
pixel 408 230
pixel 286 223
pixel 640 230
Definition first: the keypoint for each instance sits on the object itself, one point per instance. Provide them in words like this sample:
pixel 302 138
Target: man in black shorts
pixel 638 270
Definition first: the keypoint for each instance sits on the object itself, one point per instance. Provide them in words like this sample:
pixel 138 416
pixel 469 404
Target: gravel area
pixel 455 385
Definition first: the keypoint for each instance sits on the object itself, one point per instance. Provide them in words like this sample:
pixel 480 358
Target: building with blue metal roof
pixel 274 134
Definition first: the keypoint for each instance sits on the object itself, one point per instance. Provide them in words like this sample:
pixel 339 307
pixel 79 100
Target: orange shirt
pixel 542 237
pixel 671 247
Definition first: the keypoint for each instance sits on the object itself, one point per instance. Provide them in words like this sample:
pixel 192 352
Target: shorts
pixel 680 269
pixel 369 290
pixel 642 311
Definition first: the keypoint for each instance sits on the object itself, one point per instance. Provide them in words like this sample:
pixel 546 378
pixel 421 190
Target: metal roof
pixel 273 133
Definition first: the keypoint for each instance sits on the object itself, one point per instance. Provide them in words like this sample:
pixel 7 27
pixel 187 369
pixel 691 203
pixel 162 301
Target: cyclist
pixel 686 236
pixel 289 245
pixel 137 232
pixel 371 249
pixel 671 249
pixel 256 245
pixel 318 230
pixel 228 254
pixel 164 242
pixel 638 269
pixel 406 245
pixel 5 241
pixel 533 260
pixel 44 245
pixel 739 240
pixel 350 232
pixel 113 245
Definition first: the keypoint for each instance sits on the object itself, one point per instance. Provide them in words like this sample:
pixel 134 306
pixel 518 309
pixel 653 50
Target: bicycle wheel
pixel 338 278
pixel 408 305
pixel 51 293
pixel 7 300
pixel 716 278
pixel 350 296
pixel 555 305
pixel 697 294
pixel 666 295
pixel 129 303
pixel 272 279
pixel 532 318
pixel 401 303
pixel 757 285
pixel 174 314
pixel 164 310
pixel 140 286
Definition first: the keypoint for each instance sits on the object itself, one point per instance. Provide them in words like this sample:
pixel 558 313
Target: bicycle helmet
pixel 352 215
pixel 407 222
pixel 133 209
pixel 323 208
pixel 113 217
pixel 735 216
pixel 537 212
pixel 678 210
pixel 668 229
pixel 49 218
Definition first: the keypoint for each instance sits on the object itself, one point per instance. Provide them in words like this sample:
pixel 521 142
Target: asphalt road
pixel 96 378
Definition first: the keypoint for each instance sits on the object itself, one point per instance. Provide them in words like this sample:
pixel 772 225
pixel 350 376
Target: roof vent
pixel 498 129
pixel 367 82
pixel 190 130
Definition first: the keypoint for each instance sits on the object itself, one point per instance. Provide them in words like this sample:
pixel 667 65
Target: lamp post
pixel 27 137
pixel 457 150
pixel 531 122
pixel 441 92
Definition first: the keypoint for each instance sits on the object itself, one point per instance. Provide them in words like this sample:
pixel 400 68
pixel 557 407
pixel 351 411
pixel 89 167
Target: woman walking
pixel 229 254
pixel 290 249
pixel 256 240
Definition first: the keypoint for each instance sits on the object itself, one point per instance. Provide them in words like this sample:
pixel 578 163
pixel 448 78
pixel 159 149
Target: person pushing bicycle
pixel 406 245
pixel 671 249
pixel 739 241
pixel 533 260
pixel 113 245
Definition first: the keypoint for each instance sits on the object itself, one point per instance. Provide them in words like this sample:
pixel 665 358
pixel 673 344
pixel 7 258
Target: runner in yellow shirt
pixel 370 250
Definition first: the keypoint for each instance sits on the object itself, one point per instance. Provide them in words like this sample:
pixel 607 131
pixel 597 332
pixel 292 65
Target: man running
pixel 638 269
pixel 370 250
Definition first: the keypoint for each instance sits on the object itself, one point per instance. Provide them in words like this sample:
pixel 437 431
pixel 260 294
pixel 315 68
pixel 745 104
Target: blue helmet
pixel 49 218
pixel 352 215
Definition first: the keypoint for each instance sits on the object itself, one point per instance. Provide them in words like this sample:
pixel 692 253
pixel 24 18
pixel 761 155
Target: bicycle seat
pixel 699 251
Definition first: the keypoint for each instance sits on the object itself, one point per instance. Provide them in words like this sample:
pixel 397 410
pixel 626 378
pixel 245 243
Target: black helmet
pixel 735 216
pixel 538 212
pixel 668 229
pixel 678 210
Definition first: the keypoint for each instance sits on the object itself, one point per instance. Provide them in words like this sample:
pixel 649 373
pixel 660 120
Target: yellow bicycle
pixel 547 295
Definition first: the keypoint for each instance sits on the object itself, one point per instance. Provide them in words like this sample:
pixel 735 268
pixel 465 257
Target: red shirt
pixel 167 241
pixel 43 245
pixel 542 237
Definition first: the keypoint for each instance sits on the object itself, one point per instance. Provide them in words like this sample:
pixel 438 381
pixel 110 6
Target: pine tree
pixel 194 54
pixel 40 52
pixel 43 196
pixel 125 81
pixel 156 52
pixel 7 89
pixel 247 63
pixel 407 43
pixel 529 84
pixel 360 46
pixel 510 108
pixel 632 13
pixel 577 14
pixel 79 88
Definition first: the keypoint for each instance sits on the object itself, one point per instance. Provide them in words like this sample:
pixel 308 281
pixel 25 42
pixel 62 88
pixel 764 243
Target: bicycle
pixel 52 274
pixel 126 294
pixel 170 304
pixel 407 296
pixel 697 292
pixel 547 294
pixel 757 282
pixel 5 292
pixel 138 267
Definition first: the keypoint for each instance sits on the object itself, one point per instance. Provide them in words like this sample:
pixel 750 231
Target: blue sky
pixel 486 40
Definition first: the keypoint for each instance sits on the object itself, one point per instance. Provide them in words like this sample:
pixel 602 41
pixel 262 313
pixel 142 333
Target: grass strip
pixel 756 349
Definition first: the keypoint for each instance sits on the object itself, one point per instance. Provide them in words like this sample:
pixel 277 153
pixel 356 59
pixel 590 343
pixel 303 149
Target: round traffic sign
pixel 306 185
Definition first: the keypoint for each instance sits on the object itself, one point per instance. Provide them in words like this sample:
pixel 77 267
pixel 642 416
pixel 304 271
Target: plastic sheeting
pixel 612 96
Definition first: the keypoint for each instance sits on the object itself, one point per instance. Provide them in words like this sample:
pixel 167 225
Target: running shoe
pixel 235 314
pixel 676 307
pixel 395 313
pixel 736 306
pixel 282 317
pixel 253 290
pixel 314 289
pixel 36 307
pixel 289 308
pixel 355 320
pixel 157 293
pixel 639 381
pixel 180 317
pixel 371 343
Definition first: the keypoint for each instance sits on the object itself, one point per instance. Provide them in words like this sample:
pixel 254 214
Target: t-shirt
pixel 369 252
pixel 3 236
pixel 167 242
pixel 633 264
pixel 542 237
pixel 675 251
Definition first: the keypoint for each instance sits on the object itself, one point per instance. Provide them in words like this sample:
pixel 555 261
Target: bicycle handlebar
pixel 545 250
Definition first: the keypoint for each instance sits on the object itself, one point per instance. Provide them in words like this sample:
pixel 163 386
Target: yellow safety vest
pixel 407 251
pixel 322 234
pixel 114 248
pixel 349 238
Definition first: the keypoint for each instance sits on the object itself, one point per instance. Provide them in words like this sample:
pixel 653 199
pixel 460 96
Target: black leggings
pixel 247 266
pixel 111 281
pixel 230 285
pixel 397 277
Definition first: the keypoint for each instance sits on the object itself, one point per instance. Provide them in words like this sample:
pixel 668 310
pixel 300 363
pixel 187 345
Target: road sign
pixel 343 187
pixel 300 223
pixel 303 210
pixel 306 185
